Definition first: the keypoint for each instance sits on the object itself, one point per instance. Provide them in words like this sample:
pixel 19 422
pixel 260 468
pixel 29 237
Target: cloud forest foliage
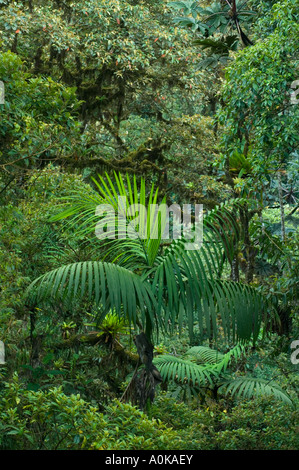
pixel 138 343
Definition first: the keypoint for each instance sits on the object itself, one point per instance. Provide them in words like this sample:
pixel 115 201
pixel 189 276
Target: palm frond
pixel 185 292
pixel 211 371
pixel 183 371
pixel 251 387
pixel 201 365
pixel 218 46
pixel 125 198
pixel 108 285
pixel 204 355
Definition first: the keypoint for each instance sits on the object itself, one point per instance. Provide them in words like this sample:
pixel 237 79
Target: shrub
pixel 258 424
pixel 54 421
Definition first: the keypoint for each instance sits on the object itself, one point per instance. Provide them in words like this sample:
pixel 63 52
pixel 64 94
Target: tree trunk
pixel 141 389
pixel 234 274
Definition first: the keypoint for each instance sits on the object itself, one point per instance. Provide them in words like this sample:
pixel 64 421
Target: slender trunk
pixel 141 389
pixel 234 274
